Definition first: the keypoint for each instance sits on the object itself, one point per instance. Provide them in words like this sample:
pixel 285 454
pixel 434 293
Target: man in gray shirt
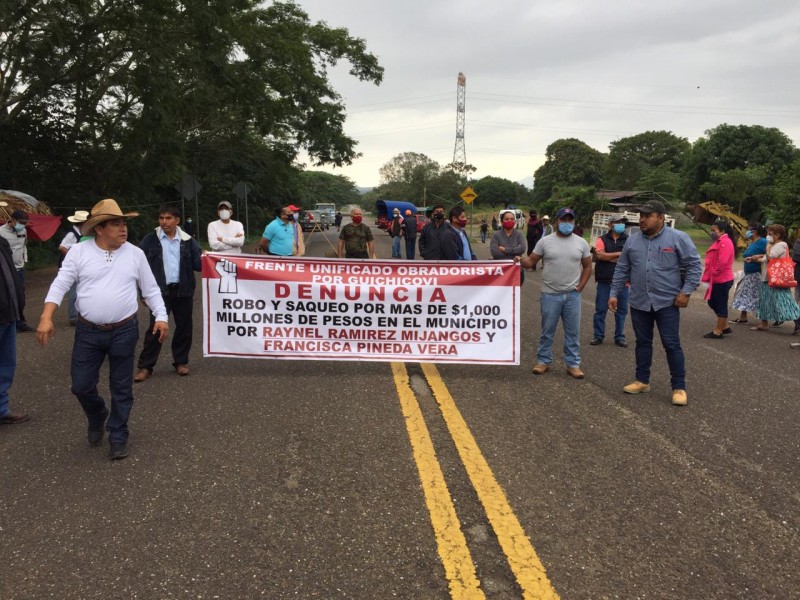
pixel 568 269
pixel 663 268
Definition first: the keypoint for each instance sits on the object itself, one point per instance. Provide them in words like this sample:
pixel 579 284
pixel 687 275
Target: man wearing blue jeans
pixel 568 269
pixel 607 249
pixel 12 301
pixel 663 268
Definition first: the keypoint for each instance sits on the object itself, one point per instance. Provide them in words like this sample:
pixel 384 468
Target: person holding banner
pixel 108 270
pixel 569 267
pixel 355 238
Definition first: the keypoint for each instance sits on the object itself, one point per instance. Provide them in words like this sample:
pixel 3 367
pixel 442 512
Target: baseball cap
pixel 619 219
pixel 293 208
pixel 564 212
pixel 653 206
pixel 20 215
pixel 225 203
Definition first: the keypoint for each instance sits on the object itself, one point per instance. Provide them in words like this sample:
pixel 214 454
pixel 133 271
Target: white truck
pixel 327 211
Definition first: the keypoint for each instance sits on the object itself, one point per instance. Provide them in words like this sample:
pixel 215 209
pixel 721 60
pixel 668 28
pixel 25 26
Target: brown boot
pixel 141 375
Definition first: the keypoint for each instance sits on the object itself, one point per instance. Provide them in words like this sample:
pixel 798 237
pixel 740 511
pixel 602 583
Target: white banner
pixel 341 309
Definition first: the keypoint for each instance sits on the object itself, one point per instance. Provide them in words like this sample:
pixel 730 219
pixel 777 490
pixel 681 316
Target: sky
pixel 538 71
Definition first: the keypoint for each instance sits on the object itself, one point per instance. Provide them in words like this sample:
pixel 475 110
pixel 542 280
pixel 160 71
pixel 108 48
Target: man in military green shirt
pixel 355 238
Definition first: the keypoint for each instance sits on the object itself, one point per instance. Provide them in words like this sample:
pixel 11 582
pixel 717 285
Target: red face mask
pixel 508 224
pixel 461 222
pixel 357 219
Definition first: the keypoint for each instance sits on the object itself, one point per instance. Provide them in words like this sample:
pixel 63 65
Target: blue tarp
pixel 386 207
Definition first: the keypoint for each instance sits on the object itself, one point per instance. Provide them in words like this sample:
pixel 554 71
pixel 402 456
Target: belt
pixel 107 326
pixel 173 287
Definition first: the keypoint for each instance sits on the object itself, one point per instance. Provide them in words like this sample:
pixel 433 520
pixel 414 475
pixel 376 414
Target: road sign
pixel 468 195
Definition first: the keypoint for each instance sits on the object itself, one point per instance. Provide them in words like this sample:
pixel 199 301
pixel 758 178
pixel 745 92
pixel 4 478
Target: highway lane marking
pixel 522 558
pixel 452 545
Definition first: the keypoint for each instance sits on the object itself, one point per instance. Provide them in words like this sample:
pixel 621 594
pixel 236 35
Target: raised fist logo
pixel 227 277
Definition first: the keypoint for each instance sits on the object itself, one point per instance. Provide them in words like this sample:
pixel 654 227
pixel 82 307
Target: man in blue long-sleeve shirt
pixel 663 268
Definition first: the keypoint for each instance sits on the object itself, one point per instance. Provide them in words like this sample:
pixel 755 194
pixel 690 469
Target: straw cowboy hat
pixel 105 210
pixel 79 217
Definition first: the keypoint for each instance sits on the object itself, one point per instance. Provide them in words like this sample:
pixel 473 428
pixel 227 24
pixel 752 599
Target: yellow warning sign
pixel 468 195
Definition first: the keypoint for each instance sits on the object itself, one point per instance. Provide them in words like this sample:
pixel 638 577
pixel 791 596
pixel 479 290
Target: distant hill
pixel 364 190
pixel 527 182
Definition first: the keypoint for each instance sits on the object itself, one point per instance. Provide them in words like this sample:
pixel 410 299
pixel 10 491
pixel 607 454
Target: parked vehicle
pixel 328 209
pixel 519 217
pixel 311 219
pixel 384 209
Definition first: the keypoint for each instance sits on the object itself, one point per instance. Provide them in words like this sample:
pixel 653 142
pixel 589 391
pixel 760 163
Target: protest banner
pixel 338 309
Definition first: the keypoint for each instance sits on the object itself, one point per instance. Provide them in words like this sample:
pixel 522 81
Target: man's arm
pixel 586 273
pixel 371 249
pixel 263 244
pixel 340 248
pixel 46 331
pixel 213 238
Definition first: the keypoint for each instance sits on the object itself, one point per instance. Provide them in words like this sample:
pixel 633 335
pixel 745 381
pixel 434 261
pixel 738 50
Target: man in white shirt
pixel 15 232
pixel 226 236
pixel 72 237
pixel 108 270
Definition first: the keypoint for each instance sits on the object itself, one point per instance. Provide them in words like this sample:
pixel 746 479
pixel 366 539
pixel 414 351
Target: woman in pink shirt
pixel 718 274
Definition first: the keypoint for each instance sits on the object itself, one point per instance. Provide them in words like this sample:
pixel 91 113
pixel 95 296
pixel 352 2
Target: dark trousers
pixel 181 309
pixel 90 349
pixel 22 321
pixel 668 321
pixel 411 246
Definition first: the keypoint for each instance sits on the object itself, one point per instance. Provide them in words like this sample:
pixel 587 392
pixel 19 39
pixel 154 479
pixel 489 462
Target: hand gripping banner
pixel 340 309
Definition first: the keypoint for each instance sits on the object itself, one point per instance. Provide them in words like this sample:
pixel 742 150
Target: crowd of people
pixel 649 274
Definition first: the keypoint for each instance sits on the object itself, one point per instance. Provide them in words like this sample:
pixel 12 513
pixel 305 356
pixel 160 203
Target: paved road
pixel 296 479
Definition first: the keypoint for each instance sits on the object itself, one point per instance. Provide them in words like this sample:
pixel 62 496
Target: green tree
pixel 631 159
pixel 786 209
pixel 569 162
pixel 134 94
pixel 729 147
pixel 318 186
pixel 582 199
pixel 496 191
pixel 738 185
pixel 662 179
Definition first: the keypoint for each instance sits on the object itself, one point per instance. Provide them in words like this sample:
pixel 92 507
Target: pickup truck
pixel 310 219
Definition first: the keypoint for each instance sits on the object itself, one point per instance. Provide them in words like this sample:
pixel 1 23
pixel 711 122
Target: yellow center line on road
pixel 522 557
pixel 458 565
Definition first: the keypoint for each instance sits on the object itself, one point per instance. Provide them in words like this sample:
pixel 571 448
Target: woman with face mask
pixel 508 242
pixel 775 304
pixel 749 289
pixel 718 274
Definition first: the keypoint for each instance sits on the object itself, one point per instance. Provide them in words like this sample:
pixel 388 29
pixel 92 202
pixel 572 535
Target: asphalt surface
pixel 296 479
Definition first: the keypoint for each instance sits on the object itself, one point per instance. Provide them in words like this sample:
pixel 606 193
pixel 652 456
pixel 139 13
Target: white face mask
pixel 769 239
pixel 224 215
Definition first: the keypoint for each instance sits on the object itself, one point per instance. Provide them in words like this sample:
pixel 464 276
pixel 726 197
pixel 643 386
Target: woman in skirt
pixel 749 289
pixel 775 304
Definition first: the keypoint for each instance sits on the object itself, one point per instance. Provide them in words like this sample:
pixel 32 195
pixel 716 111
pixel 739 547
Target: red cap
pixel 293 208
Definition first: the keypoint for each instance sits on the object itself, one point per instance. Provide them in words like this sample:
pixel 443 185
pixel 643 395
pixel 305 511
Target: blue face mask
pixel 565 228
pixel 19 227
pixel 748 235
pixel 619 228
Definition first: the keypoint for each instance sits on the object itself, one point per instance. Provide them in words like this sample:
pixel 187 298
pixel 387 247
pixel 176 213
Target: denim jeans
pixel 396 247
pixel 8 362
pixel 90 349
pixel 601 309
pixel 668 321
pixel 411 244
pixel 566 307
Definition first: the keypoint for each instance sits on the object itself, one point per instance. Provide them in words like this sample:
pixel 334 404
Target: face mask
pixel 295 216
pixel 714 236
pixel 461 222
pixel 438 216
pixel 224 215
pixel 770 239
pixel 188 220
pixel 508 224
pixel 748 235
pixel 286 217
pixel 619 228
pixel 396 215
pixel 357 219
pixel 565 228
pixel 19 227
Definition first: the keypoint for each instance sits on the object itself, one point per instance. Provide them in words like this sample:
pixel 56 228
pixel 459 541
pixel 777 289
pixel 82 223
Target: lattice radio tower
pixel 460 151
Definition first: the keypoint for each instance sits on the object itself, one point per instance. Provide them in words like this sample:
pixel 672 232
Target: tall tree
pixel 738 185
pixel 496 191
pixel 318 186
pixel 569 162
pixel 786 209
pixel 632 158
pixel 729 147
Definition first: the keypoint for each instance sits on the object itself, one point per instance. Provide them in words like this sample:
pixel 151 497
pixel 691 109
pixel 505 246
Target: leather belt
pixel 107 326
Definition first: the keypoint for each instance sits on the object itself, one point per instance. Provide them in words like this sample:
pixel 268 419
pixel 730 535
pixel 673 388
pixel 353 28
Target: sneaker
pixel 794 345
pixel 540 369
pixel 575 372
pixel 637 387
pixel 141 375
pixel 679 397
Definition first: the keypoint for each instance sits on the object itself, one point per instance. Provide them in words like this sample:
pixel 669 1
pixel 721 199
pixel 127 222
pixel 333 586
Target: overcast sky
pixel 539 71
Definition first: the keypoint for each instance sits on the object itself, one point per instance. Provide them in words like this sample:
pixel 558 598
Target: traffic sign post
pixel 468 195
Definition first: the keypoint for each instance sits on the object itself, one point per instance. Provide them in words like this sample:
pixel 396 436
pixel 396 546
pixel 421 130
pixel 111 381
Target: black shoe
pixel 596 342
pixel 23 327
pixel 713 336
pixel 95 433
pixel 118 451
pixel 14 418
pixel 727 331
pixel 621 344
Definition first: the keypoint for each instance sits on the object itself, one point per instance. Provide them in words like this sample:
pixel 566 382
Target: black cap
pixel 20 215
pixel 653 206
